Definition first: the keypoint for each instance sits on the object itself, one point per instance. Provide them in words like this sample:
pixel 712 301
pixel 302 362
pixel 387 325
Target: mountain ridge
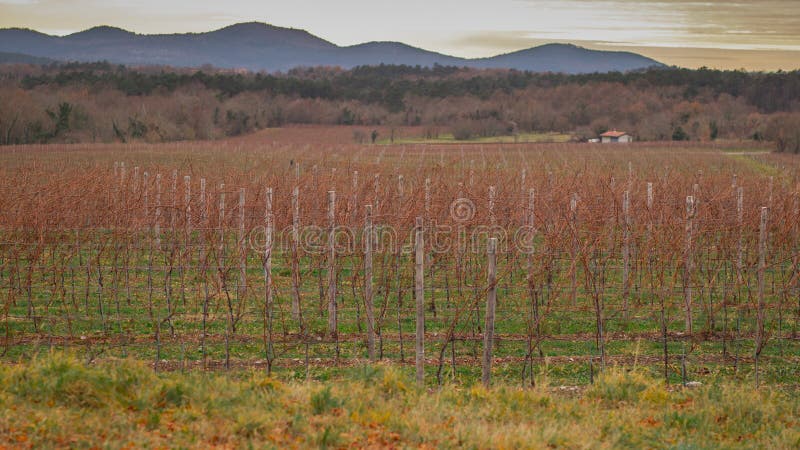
pixel 259 46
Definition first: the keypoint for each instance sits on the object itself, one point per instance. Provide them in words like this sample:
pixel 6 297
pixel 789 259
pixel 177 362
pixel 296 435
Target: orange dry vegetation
pixel 97 252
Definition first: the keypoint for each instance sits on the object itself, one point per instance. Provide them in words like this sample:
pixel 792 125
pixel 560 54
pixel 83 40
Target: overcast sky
pixel 756 35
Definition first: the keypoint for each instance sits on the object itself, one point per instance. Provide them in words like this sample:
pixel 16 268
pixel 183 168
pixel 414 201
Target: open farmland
pixel 159 252
pixel 296 255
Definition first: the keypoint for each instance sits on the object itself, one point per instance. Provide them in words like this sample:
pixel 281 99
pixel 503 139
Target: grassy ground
pixel 71 320
pixel 55 401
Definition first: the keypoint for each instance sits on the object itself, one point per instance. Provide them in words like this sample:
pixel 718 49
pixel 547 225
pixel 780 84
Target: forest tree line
pixel 101 102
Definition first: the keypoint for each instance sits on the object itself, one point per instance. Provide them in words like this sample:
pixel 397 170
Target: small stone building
pixel 615 137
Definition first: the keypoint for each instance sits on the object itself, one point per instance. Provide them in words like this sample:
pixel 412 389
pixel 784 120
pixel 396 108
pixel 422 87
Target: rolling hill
pixel 258 46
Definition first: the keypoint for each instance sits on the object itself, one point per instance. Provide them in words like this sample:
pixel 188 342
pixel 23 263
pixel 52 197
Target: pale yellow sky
pixel 755 35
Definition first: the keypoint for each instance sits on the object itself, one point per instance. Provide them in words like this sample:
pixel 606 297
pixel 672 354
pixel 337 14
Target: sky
pixel 752 35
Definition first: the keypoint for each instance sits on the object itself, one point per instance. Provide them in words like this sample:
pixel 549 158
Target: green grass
pixel 757 166
pixel 69 319
pixel 56 401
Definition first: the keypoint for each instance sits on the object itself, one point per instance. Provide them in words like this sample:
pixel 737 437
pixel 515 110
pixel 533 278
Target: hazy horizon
pixel 760 35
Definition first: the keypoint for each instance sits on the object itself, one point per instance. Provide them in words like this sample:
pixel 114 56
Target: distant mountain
pixel 258 46
pixel 567 58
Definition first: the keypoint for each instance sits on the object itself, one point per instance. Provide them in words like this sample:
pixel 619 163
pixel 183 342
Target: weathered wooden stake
pixel 158 211
pixel 268 237
pixel 242 247
pixel 296 313
pixel 687 271
pixel 173 209
pixel 146 194
pixel 491 304
pixel 419 294
pixel 626 251
pixel 368 297
pixel 332 323
pixel 187 203
pixel 650 198
pixel 740 224
pixel 222 229
pixel 354 205
pixel 762 267
pixel 203 203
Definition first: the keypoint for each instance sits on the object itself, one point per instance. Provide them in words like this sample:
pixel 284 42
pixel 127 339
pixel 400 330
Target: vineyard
pixel 292 254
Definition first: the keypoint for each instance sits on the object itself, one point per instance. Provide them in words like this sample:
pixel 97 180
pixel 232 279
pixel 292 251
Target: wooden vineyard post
pixel 491 304
pixel 187 203
pixel 530 221
pixel 740 225
pixel 222 228
pixel 146 199
pixel 399 208
pixel 296 312
pixel 626 252
pixel 419 294
pixel 204 250
pixel 354 206
pixel 203 203
pixel 331 264
pixel 739 273
pixel 687 270
pixel 174 199
pixel 368 297
pixel 650 198
pixel 533 329
pixel 121 188
pixel 203 225
pixel 158 248
pixel 429 257
pixel 158 211
pixel 221 272
pixel 762 267
pixel 268 238
pixel 242 248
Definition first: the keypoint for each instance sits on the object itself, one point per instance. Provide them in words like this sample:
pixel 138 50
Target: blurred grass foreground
pixel 58 401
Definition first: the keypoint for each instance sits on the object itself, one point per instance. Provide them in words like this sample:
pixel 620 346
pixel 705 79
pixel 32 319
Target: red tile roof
pixel 613 134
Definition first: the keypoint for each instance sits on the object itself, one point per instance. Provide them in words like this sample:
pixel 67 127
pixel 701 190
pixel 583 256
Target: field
pixel 247 264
